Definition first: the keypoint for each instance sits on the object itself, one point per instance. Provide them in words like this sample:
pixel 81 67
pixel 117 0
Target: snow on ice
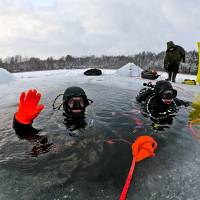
pixel 127 77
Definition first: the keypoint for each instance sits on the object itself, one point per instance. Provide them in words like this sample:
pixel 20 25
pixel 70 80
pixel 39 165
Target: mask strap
pixel 58 107
pixel 175 93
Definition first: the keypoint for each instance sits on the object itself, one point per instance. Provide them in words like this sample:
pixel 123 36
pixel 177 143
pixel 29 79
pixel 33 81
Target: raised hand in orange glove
pixel 28 108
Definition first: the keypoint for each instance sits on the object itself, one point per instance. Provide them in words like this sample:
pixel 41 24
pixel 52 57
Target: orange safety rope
pixel 142 148
pixel 193 131
pixel 112 141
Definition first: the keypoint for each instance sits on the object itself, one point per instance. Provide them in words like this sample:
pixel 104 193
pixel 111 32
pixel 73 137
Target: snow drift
pixel 6 76
pixel 130 70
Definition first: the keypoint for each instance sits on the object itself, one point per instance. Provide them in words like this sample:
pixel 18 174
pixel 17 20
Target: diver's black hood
pixel 161 86
pixel 73 92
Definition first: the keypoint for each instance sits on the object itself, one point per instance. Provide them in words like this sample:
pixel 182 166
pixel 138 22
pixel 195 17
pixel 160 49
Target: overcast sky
pixel 96 27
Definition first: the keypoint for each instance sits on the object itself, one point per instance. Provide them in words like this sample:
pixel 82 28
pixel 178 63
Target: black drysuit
pixel 41 144
pixel 152 104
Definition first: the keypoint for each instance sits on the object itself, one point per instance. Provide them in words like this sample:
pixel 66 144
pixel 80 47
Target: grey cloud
pixel 82 27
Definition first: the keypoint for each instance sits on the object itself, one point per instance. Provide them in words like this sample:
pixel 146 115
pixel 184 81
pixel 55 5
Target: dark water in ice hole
pixel 87 167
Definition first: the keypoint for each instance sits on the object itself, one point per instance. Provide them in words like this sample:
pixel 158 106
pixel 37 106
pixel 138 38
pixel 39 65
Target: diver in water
pixel 160 102
pixel 74 103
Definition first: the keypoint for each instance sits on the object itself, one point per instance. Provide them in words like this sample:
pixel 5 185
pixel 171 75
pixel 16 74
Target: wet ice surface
pixel 87 167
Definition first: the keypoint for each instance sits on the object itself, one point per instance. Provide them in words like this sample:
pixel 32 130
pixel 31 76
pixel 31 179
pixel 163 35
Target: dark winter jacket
pixel 173 56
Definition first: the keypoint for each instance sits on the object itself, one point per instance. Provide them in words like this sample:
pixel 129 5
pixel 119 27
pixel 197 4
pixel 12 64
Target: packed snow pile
pixel 130 70
pixel 6 76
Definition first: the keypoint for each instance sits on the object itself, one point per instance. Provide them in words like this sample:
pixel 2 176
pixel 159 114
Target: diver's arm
pixel 27 132
pixel 22 130
pixel 180 102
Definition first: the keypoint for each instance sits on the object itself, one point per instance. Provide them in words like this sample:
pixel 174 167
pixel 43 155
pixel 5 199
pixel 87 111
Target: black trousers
pixel 173 68
pixel 172 71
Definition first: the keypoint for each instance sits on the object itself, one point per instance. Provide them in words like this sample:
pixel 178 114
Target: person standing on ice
pixel 173 56
pixel 74 103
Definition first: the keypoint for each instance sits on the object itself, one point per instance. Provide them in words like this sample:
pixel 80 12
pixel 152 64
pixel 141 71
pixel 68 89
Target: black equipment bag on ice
pixel 93 72
pixel 149 74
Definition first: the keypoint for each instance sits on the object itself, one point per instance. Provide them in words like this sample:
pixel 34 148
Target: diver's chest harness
pixel 161 115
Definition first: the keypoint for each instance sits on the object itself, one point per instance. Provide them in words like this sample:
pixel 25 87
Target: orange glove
pixel 28 108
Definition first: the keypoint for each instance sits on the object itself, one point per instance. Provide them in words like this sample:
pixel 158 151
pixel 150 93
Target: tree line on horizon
pixel 146 60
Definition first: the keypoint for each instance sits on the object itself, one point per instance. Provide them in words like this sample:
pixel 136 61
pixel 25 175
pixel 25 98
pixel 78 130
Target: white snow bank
pixel 179 78
pixel 133 71
pixel 58 80
pixel 130 70
pixel 6 76
pixel 62 72
pixel 38 74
